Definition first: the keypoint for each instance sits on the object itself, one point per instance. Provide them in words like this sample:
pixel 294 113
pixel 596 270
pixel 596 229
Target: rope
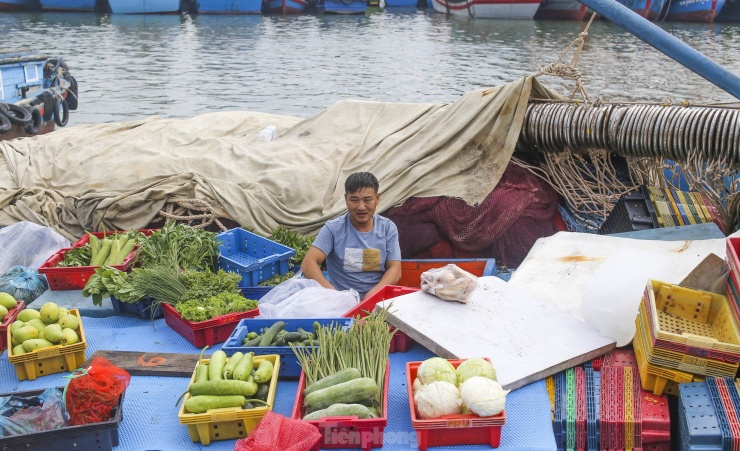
pixel 569 71
pixel 185 211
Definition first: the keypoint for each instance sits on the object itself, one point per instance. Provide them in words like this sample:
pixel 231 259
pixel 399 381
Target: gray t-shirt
pixel 357 259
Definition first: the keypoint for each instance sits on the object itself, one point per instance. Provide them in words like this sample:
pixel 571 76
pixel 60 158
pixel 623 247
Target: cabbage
pixel 417 385
pixel 475 367
pixel 436 399
pixel 436 369
pixel 483 396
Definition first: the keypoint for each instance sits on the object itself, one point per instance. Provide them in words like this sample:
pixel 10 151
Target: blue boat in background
pixel 68 5
pixel 649 9
pixel 285 6
pixel 401 3
pixel 730 12
pixel 695 10
pixel 19 5
pixel 561 10
pixel 144 6
pixel 345 6
pixel 227 6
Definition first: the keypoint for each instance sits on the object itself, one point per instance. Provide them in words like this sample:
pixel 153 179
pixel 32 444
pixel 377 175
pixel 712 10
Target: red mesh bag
pixel 93 391
pixel 278 433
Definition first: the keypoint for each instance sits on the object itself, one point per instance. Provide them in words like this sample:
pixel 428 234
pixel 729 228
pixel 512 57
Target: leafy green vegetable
pixel 221 304
pixel 203 285
pixel 277 279
pixel 159 282
pixel 294 240
pixel 107 281
pixel 180 245
pixel 77 256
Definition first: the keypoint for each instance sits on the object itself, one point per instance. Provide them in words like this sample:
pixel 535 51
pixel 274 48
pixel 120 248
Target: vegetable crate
pixel 449 430
pixel 654 378
pixel 697 419
pixel 400 341
pixel 143 308
pixel 86 237
pixel 101 436
pixel 253 257
pixel 347 432
pixel 7 321
pixel 412 269
pixel 205 333
pixel 55 359
pixel 289 367
pixel 229 422
pixel 692 322
pixel 75 277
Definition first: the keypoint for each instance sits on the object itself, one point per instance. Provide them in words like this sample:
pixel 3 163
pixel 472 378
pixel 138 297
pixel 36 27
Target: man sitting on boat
pixel 360 248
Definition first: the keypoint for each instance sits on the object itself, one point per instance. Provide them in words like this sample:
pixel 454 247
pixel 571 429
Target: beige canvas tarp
pixel 121 174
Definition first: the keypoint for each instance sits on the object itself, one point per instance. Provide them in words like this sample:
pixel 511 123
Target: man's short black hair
pixel 359 180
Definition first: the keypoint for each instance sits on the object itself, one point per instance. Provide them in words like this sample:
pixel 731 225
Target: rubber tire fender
pixel 36 121
pixel 17 114
pixel 5 123
pixel 73 99
pixel 61 121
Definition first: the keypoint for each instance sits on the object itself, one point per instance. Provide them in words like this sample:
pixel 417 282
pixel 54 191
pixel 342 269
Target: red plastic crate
pixel 75 277
pixel 656 418
pixel 400 341
pixel 733 253
pixel 411 270
pixel 347 432
pixel 620 358
pixel 581 410
pixel 451 430
pixel 205 333
pixel 7 321
pixel 86 237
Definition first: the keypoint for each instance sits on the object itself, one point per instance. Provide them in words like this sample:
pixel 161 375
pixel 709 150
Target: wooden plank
pixel 709 275
pixel 149 363
pixel 525 339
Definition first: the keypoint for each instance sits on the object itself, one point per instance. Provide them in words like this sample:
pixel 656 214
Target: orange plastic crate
pixel 449 430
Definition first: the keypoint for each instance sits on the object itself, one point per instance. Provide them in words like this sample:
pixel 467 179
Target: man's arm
pixel 311 266
pixel 391 277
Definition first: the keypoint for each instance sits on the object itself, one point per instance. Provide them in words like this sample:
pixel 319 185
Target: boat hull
pixel 285 7
pixel 340 7
pixel 144 6
pixel 561 10
pixel 19 5
pixel 489 9
pixel 229 6
pixel 730 12
pixel 68 5
pixel 704 11
pixel 649 9
pixel 17 131
pixel 400 3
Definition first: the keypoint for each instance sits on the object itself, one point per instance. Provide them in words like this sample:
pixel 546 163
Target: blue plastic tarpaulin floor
pixel 150 416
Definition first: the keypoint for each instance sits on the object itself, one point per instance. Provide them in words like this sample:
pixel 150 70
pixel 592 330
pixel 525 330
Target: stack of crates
pixel 732 285
pixel 684 335
pixel 628 417
pixel 709 415
pixel 652 208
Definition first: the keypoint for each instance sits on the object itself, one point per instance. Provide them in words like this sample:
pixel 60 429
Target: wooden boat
pixel 144 6
pixel 561 10
pixel 649 9
pixel 694 10
pixel 285 6
pixel 68 5
pixel 730 12
pixel 227 6
pixel 344 6
pixel 19 5
pixel 36 93
pixel 488 9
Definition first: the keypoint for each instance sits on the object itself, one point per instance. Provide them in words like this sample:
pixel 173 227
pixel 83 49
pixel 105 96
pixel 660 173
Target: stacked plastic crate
pixel 732 285
pixel 683 335
pixel 709 415
pixel 631 419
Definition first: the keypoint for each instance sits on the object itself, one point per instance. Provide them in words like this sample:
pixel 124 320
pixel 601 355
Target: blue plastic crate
pixel 719 409
pixel 142 308
pixel 255 293
pixel 559 421
pixel 289 367
pixel 592 396
pixel 697 418
pixel 253 257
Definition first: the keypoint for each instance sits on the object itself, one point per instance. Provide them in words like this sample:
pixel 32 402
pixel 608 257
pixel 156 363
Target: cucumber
pixel 279 342
pixel 345 393
pixel 252 343
pixel 262 391
pixel 290 337
pixel 340 410
pixel 252 335
pixel 223 388
pixel 344 375
pixel 269 336
pixel 264 372
pixel 204 403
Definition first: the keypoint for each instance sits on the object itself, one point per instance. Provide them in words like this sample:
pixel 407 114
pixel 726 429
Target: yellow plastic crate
pixel 550 384
pixel 678 360
pixel 56 359
pixel 692 321
pixel 655 378
pixel 230 422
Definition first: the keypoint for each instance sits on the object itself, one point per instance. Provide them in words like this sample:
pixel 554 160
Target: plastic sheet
pixel 23 283
pixel 298 297
pixel 28 244
pixel 26 415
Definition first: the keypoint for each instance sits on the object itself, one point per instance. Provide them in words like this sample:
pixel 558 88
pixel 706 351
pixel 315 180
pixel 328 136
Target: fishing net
pixel 278 433
pixel 93 391
pixel 505 225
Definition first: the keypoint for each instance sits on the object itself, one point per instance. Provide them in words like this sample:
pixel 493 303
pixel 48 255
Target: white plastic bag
pixel 298 297
pixel 28 244
pixel 449 283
